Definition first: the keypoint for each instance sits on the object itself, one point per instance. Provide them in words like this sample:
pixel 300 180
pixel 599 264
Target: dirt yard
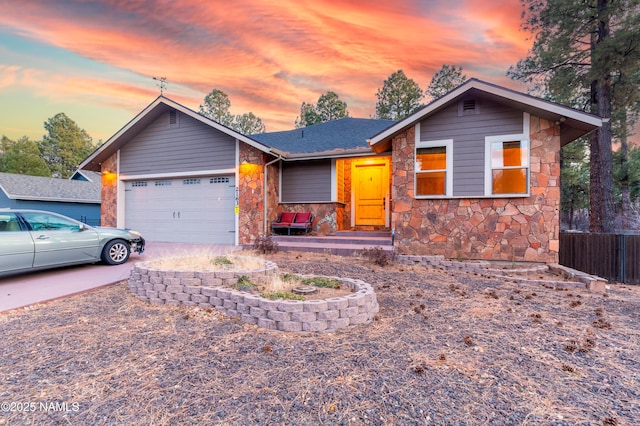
pixel 447 348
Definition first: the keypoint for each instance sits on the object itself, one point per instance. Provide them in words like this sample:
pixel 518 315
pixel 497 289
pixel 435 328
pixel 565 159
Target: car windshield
pixel 44 221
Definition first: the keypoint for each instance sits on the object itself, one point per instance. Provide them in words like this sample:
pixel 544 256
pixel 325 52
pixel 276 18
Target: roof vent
pixel 173 117
pixel 468 107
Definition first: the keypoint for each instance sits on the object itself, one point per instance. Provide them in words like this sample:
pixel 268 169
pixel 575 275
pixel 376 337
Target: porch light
pixel 108 177
pixel 249 168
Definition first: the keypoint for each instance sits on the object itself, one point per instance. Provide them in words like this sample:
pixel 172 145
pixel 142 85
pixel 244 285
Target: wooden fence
pixel 615 257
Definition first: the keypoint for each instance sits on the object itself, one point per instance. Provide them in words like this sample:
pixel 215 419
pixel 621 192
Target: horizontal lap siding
pixel 307 181
pixel 468 133
pixel 190 146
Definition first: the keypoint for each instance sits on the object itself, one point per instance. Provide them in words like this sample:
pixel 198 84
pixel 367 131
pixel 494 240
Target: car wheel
pixel 116 252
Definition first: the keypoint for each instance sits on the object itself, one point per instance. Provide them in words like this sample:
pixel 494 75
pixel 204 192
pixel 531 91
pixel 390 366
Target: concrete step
pixel 381 234
pixel 337 249
pixel 344 243
pixel 334 239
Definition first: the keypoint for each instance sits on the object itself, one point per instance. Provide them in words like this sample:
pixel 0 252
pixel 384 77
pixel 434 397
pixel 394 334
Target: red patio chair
pixel 302 221
pixel 283 221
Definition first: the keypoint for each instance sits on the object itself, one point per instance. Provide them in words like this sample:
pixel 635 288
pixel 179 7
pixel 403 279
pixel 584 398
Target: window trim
pixel 488 169
pixel 448 145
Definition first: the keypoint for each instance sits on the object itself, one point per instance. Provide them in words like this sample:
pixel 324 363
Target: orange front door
pixel 371 187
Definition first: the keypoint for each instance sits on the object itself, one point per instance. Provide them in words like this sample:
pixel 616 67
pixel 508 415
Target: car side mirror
pixel 82 227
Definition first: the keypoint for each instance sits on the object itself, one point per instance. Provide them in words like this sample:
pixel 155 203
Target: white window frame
pixel 448 172
pixel 488 171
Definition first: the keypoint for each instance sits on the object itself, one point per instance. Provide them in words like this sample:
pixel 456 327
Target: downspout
pixel 264 191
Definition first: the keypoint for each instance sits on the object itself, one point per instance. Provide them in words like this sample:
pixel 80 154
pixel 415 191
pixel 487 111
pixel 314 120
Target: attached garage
pixel 194 209
pixel 177 176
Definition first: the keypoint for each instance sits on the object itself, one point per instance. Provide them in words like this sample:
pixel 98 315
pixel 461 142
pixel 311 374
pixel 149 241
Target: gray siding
pixel 468 132
pixel 188 146
pixel 306 181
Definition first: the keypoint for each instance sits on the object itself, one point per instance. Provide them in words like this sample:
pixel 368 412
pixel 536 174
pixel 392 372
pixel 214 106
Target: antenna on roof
pixel 162 83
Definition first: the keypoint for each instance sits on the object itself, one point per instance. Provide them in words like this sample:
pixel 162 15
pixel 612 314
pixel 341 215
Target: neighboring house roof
pixel 573 123
pixel 23 187
pixel 86 175
pixel 342 137
pixel 158 107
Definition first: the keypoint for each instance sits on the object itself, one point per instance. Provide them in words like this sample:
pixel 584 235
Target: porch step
pixel 344 243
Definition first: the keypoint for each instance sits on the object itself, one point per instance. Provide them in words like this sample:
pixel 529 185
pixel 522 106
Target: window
pixel 219 180
pixel 9 222
pixel 49 222
pixel 509 167
pixel 191 181
pixel 433 170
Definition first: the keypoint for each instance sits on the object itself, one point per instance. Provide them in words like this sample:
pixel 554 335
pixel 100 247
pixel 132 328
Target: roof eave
pixel 61 200
pixel 335 153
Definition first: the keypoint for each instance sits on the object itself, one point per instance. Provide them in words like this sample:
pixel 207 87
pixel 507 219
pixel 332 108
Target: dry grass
pixel 203 261
pixel 443 350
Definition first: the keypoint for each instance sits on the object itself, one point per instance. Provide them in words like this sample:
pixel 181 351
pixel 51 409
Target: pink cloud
pixel 269 58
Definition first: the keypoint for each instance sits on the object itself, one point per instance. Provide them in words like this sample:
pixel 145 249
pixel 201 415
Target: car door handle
pixel 43 237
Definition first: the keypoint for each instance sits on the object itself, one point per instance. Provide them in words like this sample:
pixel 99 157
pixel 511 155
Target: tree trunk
pixel 625 190
pixel 602 211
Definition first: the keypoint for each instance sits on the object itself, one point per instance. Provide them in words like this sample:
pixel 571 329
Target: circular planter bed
pixel 215 289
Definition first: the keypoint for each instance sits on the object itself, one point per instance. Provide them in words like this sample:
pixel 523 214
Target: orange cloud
pixel 267 57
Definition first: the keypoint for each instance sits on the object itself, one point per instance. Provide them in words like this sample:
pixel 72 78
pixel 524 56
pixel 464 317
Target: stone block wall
pixel 207 289
pixel 520 229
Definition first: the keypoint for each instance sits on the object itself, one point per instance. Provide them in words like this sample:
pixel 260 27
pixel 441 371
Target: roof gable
pixel 158 107
pixel 573 123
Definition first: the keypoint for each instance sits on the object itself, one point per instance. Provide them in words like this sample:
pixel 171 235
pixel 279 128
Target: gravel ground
pixel 447 348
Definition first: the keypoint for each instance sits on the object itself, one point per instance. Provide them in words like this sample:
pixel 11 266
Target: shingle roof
pixel 23 187
pixel 337 136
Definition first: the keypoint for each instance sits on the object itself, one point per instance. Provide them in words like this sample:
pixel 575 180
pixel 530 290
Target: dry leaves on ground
pixel 445 348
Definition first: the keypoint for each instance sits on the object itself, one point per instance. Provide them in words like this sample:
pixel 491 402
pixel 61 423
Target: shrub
pixel 221 260
pixel 322 282
pixel 282 295
pixel 245 284
pixel 265 244
pixel 379 256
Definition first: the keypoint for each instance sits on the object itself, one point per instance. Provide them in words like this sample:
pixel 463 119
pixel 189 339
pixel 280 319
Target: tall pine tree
pixel 579 52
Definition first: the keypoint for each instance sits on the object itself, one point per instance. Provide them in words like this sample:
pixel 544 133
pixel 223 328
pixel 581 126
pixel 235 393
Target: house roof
pixel 158 107
pixel 23 187
pixel 573 123
pixel 86 175
pixel 342 137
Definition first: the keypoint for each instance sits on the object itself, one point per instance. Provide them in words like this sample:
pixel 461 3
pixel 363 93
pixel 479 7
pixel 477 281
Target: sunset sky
pixel 95 61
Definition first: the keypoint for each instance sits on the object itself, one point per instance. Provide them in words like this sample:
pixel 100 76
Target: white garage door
pixel 191 210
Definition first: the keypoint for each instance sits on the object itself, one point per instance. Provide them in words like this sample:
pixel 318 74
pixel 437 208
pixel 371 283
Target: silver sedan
pixel 34 239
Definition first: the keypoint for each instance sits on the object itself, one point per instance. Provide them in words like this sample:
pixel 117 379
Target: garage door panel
pixel 198 210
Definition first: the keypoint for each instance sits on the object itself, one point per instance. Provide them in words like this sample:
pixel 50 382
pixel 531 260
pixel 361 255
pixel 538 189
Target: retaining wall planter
pixel 209 289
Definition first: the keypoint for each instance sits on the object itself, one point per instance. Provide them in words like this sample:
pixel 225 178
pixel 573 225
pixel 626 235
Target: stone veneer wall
pixel 482 228
pixel 326 216
pixel 345 221
pixel 207 289
pixel 109 192
pixel 251 194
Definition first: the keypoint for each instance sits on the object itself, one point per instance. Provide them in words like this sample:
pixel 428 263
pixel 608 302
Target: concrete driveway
pixel 26 289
